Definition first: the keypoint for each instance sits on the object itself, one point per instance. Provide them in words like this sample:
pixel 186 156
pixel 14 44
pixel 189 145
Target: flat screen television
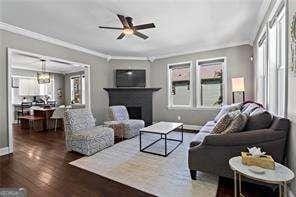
pixel 130 78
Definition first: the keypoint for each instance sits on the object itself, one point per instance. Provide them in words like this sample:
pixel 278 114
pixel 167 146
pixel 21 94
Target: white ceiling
pixel 181 25
pixel 29 62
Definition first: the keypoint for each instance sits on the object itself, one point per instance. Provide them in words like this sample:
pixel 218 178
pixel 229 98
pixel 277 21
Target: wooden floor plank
pixel 40 163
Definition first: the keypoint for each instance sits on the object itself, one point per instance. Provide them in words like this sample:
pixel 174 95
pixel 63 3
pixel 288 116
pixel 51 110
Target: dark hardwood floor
pixel 40 164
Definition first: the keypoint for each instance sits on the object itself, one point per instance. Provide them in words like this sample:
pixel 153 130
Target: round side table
pixel 118 128
pixel 280 176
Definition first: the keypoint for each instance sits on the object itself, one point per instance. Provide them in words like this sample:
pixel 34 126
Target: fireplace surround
pixel 137 100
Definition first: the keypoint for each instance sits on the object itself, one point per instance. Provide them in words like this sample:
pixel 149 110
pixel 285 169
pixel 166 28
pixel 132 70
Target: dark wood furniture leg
pixel 193 174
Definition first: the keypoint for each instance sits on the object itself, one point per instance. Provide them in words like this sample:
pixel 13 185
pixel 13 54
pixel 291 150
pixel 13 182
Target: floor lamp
pixel 238 86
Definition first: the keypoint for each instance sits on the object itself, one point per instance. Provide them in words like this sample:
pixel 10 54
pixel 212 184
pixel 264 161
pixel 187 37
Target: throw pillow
pixel 250 108
pixel 226 109
pixel 222 124
pixel 233 114
pixel 259 119
pixel 237 124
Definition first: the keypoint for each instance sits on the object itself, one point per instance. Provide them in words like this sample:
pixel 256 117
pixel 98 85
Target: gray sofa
pixel 210 153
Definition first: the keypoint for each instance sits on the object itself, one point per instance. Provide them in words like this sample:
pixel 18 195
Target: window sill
pixel 193 108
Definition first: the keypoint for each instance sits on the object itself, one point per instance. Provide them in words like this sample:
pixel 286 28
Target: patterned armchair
pixel 82 135
pixel 131 126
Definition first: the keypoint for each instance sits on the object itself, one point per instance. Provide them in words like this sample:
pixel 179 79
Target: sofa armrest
pixel 244 138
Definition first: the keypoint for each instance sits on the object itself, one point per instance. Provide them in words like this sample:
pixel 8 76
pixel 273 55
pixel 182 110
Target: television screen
pixel 130 78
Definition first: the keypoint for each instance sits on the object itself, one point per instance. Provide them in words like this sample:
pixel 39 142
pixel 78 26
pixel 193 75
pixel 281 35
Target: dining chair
pixel 24 110
pixel 58 114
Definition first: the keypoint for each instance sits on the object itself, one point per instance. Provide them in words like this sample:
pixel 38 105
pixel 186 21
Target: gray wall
pixel 238 64
pixel 101 74
pixel 132 64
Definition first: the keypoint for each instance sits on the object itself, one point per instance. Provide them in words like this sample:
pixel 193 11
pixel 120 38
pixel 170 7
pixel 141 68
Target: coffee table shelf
pixel 162 129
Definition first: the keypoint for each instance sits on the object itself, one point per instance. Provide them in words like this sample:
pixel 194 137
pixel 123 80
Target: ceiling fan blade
pixel 144 26
pixel 141 35
pixel 123 21
pixel 120 36
pixel 118 28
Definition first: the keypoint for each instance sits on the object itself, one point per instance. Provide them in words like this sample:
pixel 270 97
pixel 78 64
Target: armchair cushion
pixel 118 113
pixel 82 135
pixel 79 119
pixel 132 127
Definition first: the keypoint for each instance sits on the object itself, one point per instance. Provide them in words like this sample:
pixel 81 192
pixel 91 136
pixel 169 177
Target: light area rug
pixel 157 175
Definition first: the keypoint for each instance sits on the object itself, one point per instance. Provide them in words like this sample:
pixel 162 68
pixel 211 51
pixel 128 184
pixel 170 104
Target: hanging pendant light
pixel 43 76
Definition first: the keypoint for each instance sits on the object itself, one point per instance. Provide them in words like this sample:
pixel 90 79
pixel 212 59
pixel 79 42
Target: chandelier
pixel 43 76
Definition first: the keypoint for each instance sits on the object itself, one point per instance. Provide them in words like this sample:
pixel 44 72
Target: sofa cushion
pixel 226 109
pixel 237 124
pixel 207 129
pixel 222 124
pixel 210 123
pixel 198 139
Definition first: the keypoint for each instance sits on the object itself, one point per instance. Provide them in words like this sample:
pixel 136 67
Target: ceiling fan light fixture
pixel 128 31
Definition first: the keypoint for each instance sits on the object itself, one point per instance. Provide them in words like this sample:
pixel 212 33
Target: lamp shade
pixel 238 84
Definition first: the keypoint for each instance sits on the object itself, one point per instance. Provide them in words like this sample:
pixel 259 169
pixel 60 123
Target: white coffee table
pixel 163 129
pixel 280 176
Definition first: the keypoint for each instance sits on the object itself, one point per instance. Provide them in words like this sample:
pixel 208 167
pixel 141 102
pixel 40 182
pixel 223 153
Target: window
pixel 77 89
pixel 209 83
pixel 277 63
pixel 261 77
pixel 180 85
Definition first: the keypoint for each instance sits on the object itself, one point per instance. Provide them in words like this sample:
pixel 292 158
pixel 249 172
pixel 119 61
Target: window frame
pixel 265 60
pixel 71 95
pixel 169 98
pixel 197 83
pixel 278 16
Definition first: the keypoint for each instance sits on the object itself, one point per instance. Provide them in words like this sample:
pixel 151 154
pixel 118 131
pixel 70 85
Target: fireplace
pixel 134 112
pixel 137 100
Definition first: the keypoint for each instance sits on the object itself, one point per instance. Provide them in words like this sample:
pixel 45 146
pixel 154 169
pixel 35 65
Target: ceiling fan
pixel 128 27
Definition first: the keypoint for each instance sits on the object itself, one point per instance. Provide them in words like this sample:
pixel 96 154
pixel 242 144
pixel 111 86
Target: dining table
pixel 46 113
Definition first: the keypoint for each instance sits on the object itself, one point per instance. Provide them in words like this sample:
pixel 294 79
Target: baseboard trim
pixel 290 193
pixel 4 151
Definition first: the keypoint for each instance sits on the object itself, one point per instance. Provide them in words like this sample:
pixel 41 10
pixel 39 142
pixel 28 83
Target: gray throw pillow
pixel 259 119
pixel 226 109
pixel 222 124
pixel 237 124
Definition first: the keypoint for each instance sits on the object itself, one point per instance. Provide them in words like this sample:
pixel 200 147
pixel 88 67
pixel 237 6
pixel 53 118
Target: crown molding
pixel 129 58
pixel 209 48
pixel 260 17
pixel 41 37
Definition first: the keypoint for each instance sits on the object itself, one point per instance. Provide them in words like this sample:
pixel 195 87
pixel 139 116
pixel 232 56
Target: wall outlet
pixel 179 117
